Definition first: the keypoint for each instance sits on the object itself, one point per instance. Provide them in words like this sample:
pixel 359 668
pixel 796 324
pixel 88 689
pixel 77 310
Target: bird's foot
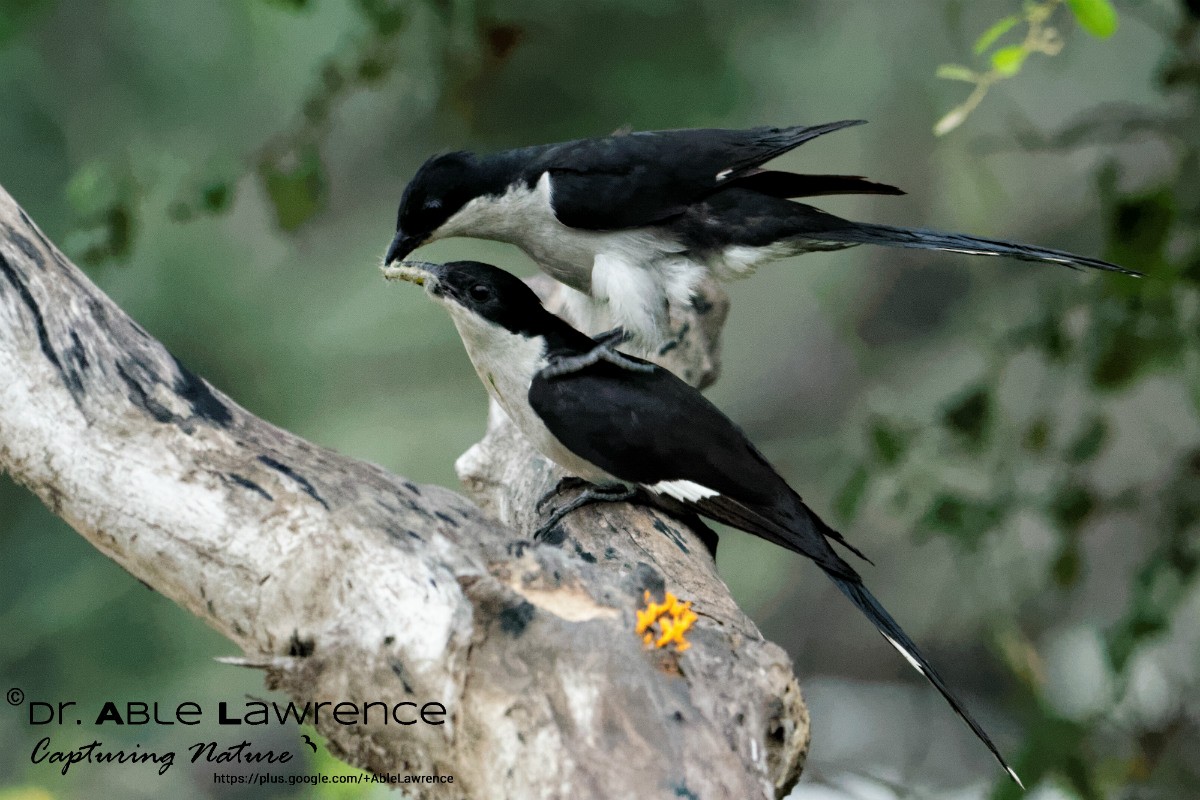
pixel 564 485
pixel 617 493
pixel 603 351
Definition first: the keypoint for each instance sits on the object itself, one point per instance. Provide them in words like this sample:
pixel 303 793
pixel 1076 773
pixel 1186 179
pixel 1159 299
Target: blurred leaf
pixel 966 520
pixel 848 498
pixel 888 442
pixel 1130 334
pixel 1089 441
pixel 94 188
pixel 957 72
pixel 1070 506
pixel 998 29
pixel 1037 435
pixel 1097 17
pixel 1008 60
pixel 955 117
pixel 1053 746
pixel 1139 228
pixel 970 415
pixel 1068 565
pixel 216 196
pixel 387 17
pixel 103 198
pixel 295 184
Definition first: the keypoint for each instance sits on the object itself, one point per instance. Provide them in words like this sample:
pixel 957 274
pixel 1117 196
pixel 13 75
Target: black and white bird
pixel 632 222
pixel 627 430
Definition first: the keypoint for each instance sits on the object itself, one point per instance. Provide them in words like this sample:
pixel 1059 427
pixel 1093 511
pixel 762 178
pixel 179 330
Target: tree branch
pixel 346 583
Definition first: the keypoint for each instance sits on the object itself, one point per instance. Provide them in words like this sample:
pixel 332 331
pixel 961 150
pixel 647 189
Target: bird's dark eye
pixel 479 293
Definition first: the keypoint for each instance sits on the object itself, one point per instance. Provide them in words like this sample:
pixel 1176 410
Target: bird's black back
pixel 637 179
pixel 645 428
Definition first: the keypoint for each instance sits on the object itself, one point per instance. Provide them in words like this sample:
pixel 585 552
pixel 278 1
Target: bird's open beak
pixel 418 272
pixel 401 246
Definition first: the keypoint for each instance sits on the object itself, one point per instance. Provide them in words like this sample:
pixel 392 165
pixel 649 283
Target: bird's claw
pixel 564 484
pixel 595 494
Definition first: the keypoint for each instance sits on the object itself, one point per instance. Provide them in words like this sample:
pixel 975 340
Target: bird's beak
pixel 418 272
pixel 401 246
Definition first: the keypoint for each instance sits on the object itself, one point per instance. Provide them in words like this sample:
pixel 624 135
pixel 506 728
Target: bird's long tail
pixel 888 236
pixel 897 638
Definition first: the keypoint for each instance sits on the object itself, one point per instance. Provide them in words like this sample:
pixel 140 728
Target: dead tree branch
pixel 346 583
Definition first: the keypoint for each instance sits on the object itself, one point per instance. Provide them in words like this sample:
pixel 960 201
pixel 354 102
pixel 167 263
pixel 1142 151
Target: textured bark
pixel 344 582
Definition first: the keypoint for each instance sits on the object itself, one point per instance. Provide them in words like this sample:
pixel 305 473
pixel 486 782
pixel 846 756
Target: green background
pixel 1016 446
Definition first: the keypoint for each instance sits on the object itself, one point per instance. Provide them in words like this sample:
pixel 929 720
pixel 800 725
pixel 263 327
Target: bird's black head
pixel 478 294
pixel 441 187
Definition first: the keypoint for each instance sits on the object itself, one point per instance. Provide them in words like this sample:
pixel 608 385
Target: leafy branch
pixel 1097 17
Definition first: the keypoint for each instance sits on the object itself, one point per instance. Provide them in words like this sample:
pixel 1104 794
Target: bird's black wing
pixel 653 429
pixel 639 179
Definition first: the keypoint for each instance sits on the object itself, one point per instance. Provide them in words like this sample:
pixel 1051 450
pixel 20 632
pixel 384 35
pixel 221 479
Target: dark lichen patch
pixel 75 363
pixel 27 248
pixel 39 323
pixel 412 487
pixel 584 554
pixel 683 791
pixel 302 481
pixel 246 483
pixel 701 304
pixel 300 648
pixel 142 399
pixel 515 619
pixel 50 248
pixel 388 641
pixel 400 672
pixel 670 533
pixel 199 395
pixel 610 553
pixel 446 518
pixel 417 508
pixel 141 376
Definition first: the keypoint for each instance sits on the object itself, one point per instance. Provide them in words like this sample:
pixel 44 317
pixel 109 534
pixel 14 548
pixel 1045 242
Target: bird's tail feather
pixel 895 635
pixel 866 233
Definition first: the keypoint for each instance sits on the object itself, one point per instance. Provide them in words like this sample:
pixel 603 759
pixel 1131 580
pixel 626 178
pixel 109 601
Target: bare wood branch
pixel 346 583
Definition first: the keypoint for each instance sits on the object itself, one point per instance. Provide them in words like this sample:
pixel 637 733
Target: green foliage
pixel 1097 17
pixel 849 497
pixel 295 185
pixel 970 415
pixel 993 34
pixel 104 199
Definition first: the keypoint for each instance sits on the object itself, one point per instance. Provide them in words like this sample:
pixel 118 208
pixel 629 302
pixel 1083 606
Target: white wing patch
pixel 686 491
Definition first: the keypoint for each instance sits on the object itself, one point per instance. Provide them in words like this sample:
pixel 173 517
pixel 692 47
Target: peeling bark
pixel 346 583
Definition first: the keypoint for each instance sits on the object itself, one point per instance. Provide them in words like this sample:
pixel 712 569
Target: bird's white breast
pixel 507 362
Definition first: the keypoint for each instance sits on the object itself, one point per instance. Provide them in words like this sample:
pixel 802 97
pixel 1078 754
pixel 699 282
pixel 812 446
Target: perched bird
pixel 632 221
pixel 627 430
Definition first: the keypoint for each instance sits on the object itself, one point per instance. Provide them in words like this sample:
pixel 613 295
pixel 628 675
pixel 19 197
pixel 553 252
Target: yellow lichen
pixel 673 618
